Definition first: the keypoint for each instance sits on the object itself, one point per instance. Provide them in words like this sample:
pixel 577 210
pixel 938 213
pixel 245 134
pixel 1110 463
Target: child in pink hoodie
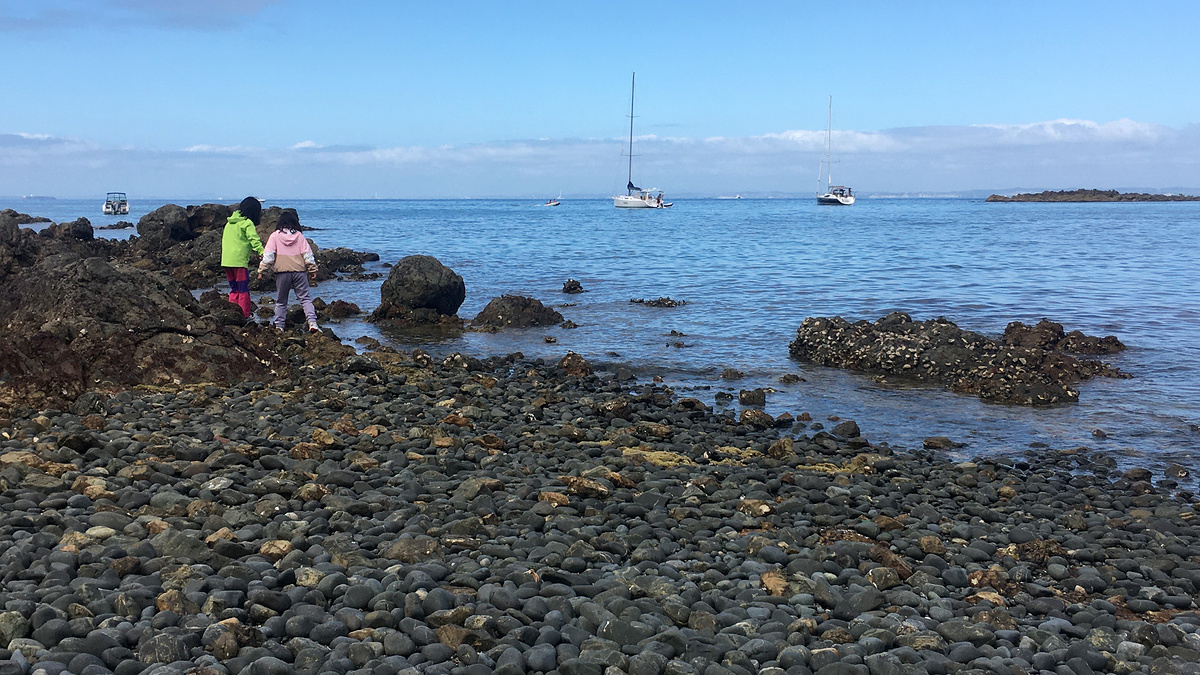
pixel 288 251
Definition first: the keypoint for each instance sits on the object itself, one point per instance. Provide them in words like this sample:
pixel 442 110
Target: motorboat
pixel 552 202
pixel 835 195
pixel 636 197
pixel 115 204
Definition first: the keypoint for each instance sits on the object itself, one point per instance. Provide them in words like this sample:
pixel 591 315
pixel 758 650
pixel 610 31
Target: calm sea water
pixel 752 270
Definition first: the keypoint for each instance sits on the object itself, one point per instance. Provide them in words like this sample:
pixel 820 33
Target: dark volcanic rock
pixel 186 242
pixel 939 351
pixel 659 302
pixel 515 311
pixel 1049 335
pixel 73 323
pixel 22 218
pixel 119 225
pixel 572 286
pixel 80 228
pixel 420 290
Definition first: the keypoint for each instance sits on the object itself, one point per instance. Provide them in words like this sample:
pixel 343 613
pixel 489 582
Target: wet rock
pixel 420 290
pixel 752 397
pixel 572 286
pixel 1049 335
pixel 515 311
pixel 575 365
pixel 659 302
pixel 939 351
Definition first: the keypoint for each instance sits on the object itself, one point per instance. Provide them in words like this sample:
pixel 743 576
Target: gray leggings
pixel 285 282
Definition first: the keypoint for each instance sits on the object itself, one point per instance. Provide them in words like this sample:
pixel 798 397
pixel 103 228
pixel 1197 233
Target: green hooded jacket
pixel 237 240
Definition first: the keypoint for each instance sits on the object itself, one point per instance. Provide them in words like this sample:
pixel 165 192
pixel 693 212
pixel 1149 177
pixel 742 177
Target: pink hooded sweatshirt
pixel 288 251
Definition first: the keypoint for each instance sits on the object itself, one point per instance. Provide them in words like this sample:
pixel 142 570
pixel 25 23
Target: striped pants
pixel 239 288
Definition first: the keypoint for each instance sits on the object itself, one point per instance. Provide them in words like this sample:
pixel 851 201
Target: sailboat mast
pixel 632 82
pixel 828 142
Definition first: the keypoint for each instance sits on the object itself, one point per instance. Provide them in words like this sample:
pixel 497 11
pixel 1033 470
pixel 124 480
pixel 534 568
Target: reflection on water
pixel 752 270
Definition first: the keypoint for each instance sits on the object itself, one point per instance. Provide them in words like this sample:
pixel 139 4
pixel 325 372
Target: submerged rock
pixel 515 311
pixel 940 352
pixel 659 302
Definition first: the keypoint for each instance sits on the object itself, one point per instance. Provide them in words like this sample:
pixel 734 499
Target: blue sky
pixel 312 99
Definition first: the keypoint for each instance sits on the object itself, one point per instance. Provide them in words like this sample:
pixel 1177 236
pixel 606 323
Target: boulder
pixel 164 227
pixel 419 290
pixel 80 229
pixel 515 311
pixel 572 286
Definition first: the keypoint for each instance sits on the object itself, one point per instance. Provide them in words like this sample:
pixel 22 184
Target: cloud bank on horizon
pixel 1057 154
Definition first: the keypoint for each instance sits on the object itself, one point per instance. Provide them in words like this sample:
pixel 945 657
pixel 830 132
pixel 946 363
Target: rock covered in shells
pixel 938 351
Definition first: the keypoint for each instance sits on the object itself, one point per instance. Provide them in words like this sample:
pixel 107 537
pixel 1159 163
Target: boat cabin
pixel 840 191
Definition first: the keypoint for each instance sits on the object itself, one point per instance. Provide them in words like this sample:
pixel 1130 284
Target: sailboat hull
pixel 835 200
pixel 636 202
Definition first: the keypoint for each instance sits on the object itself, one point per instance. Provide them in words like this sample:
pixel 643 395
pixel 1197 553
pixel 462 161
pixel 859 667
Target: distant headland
pixel 1092 196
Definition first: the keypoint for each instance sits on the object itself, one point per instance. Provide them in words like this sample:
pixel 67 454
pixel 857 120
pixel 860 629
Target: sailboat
pixel 835 195
pixel 635 197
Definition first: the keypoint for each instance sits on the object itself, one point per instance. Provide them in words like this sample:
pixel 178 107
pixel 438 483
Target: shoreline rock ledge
pixel 938 351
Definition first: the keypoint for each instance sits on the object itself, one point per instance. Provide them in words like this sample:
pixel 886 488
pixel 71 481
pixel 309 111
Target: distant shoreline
pixel 1092 196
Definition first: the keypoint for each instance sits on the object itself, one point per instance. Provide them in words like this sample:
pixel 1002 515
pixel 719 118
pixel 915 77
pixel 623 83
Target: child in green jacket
pixel 238 239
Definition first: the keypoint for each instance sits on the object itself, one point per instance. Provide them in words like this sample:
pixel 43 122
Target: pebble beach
pixel 396 513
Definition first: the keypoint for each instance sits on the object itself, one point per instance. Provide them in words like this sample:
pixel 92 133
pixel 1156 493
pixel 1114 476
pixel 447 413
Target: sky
pixel 299 98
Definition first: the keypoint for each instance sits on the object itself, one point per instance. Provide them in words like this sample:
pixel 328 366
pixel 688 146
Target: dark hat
pixel 251 209
pixel 289 220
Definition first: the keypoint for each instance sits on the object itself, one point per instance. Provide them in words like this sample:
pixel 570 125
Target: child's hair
pixel 251 209
pixel 288 221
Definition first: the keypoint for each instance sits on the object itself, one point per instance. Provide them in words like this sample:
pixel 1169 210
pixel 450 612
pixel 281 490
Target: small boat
pixel 115 204
pixel 835 195
pixel 635 197
pixel 552 202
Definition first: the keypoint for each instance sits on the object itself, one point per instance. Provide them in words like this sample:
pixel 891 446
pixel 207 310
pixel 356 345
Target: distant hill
pixel 1093 196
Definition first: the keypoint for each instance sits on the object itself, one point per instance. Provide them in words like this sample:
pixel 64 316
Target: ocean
pixel 751 270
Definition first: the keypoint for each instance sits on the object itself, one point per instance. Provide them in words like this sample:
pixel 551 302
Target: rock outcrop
pixel 78 316
pixel 1049 335
pixel 1091 196
pixel 22 218
pixel 515 311
pixel 937 351
pixel 186 242
pixel 73 324
pixel 420 291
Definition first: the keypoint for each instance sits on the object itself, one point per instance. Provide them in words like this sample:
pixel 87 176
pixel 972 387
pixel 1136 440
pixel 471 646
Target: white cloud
pixel 1045 155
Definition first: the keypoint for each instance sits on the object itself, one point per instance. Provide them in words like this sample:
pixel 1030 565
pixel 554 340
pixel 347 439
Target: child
pixel 238 238
pixel 293 259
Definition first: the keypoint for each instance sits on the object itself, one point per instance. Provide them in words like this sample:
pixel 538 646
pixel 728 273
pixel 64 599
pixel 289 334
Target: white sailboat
pixel 636 197
pixel 835 195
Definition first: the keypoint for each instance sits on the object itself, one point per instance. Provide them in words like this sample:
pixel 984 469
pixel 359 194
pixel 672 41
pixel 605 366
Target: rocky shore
pixel 183 494
pixel 1091 196
pixel 389 513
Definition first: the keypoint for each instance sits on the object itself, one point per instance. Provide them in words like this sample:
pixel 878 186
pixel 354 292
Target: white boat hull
pixel 835 200
pixel 635 202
